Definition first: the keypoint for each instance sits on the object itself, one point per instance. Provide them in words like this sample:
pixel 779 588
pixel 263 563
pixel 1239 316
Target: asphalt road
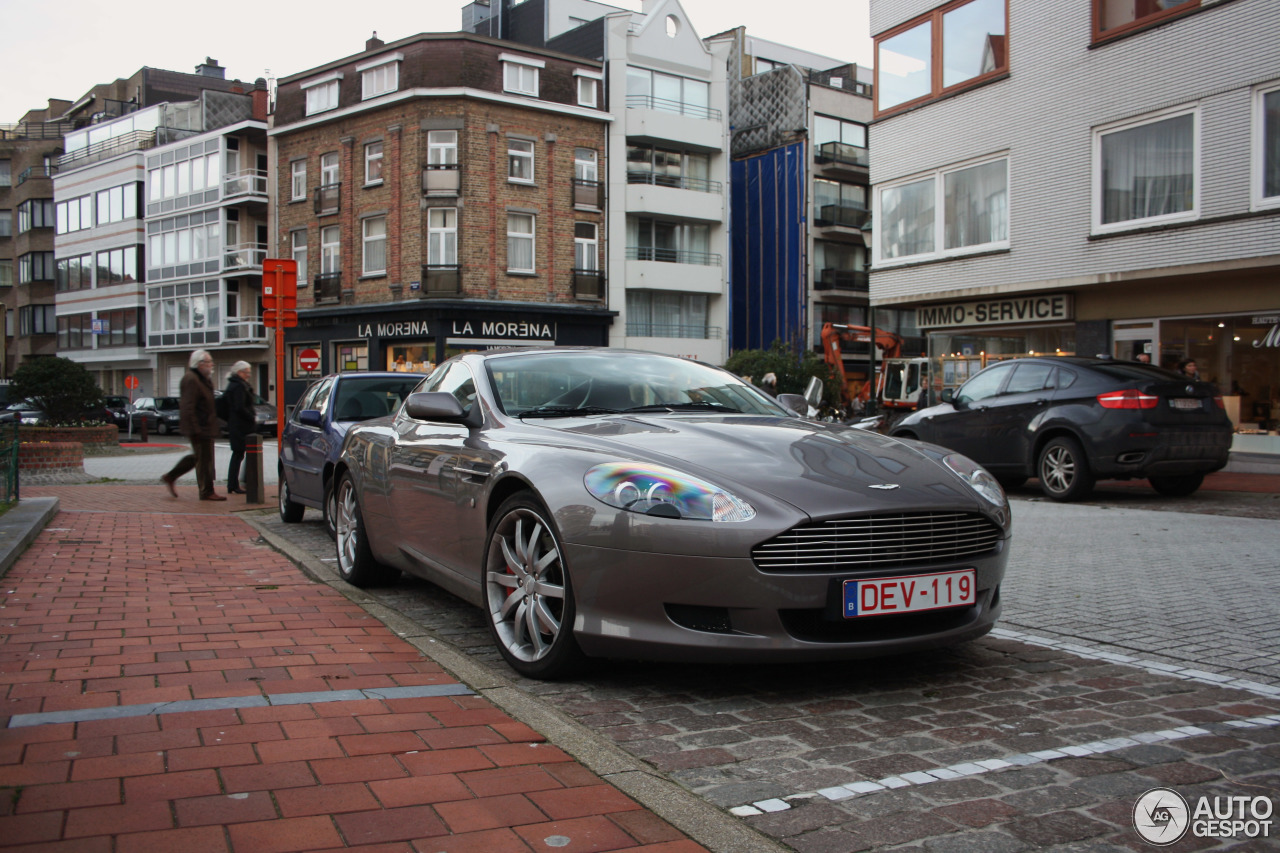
pixel 1137 649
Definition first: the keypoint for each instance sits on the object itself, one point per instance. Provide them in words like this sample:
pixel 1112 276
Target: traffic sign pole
pixel 280 304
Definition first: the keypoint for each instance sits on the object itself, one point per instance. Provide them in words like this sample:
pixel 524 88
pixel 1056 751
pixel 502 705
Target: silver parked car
pixel 608 503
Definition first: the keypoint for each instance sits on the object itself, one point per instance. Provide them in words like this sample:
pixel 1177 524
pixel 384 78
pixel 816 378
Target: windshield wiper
pixel 698 405
pixel 566 411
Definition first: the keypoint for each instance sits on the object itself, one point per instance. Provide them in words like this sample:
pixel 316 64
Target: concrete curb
pixel 21 525
pixel 706 824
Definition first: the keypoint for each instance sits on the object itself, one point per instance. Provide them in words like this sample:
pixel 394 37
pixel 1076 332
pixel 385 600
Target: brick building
pixel 440 193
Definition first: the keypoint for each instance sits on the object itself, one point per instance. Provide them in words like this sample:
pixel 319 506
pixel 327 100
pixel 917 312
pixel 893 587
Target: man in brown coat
pixel 199 423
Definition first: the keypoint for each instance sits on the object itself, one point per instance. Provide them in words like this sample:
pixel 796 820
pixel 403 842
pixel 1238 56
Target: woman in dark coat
pixel 241 420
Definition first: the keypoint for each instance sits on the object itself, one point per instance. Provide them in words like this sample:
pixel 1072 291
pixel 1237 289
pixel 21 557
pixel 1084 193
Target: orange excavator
pixel 898 380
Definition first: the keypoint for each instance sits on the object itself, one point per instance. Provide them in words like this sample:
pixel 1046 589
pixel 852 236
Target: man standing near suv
pixel 199 423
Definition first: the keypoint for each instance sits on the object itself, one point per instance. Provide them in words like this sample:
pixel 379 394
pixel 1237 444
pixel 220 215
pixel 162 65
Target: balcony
pixel 842 216
pixel 244 256
pixel 696 184
pixel 665 105
pixel 138 140
pixel 661 120
pixel 671 330
pixel 588 193
pixel 440 280
pixel 673 271
pixel 328 199
pixel 672 256
pixel 856 281
pixel 588 284
pixel 841 158
pixel 244 330
pixel 251 182
pixel 36 172
pixel 442 180
pixel 328 287
pixel 675 197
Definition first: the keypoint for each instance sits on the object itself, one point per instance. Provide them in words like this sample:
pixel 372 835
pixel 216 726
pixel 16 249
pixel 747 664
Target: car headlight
pixel 977 478
pixel 655 490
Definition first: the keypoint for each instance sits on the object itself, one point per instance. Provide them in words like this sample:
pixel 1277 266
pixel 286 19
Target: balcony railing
pixel 843 154
pixel 838 279
pixel 681 183
pixel 442 179
pixel 244 330
pixel 588 193
pixel 665 105
pixel 588 284
pixel 328 287
pixel 671 330
pixel 251 182
pixel 36 172
pixel 138 140
pixel 672 256
pixel 328 198
pixel 842 215
pixel 244 255
pixel 440 280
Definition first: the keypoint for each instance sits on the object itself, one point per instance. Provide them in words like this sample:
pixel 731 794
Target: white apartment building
pixel 1086 176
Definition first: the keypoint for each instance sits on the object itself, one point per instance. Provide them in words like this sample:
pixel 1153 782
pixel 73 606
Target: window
pixel 183 240
pixel 322 93
pixel 118 328
pixel 833 136
pixel 118 204
pixel 520 161
pixel 1145 171
pixel 837 203
pixel 669 93
pixel 298 251
pixel 35 266
pixel 373 163
pixel 670 242
pixel 520 74
pixel 37 320
pixel 183 171
pixel 380 76
pixel 329 169
pixel 192 309
pixel 329 250
pixel 985 384
pixel 6 272
pixel 74 273
pixel 375 245
pixel 953 211
pixel 298 180
pixel 586 248
pixel 442 147
pixel 585 164
pixel 588 87
pixel 663 314
pixel 667 167
pixel 75 215
pixel 6 223
pixel 442 237
pixel 1112 16
pixel 967 37
pixel 118 266
pixel 520 242
pixel 36 213
pixel 1266 148
pixel 6 173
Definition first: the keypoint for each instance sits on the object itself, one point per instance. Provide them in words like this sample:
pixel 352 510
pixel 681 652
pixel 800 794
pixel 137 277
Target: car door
pixel 1011 413
pixel 966 427
pixel 307 446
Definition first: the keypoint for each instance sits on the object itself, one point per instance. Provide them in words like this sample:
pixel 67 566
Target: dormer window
pixel 380 76
pixel 520 74
pixel 322 93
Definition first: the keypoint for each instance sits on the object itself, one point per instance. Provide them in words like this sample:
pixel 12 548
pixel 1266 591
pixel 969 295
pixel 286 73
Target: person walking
pixel 199 423
pixel 241 420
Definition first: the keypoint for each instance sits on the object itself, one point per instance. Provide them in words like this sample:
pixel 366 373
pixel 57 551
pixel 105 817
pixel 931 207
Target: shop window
pixel 411 357
pixel 351 356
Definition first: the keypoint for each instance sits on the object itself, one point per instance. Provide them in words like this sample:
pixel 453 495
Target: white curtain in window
pixel 375 244
pixel 1271 144
pixel 906 220
pixel 1148 170
pixel 976 205
pixel 519 241
pixel 442 237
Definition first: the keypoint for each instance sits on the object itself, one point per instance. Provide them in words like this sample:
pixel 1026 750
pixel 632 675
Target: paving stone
pixel 975 842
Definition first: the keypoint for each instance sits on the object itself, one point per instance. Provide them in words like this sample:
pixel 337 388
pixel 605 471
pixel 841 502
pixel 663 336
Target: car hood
pixel 815 467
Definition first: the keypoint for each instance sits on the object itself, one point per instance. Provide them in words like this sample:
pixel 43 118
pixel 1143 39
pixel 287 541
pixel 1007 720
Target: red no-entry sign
pixel 131 382
pixel 309 360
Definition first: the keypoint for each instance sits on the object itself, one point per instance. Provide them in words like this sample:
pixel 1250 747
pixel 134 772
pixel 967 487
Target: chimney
pixel 261 99
pixel 374 43
pixel 211 68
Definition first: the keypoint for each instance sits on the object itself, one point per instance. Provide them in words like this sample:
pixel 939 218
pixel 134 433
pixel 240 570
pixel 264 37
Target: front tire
pixel 1177 487
pixel 290 512
pixel 1064 471
pixel 527 592
pixel 162 428
pixel 331 509
pixel 356 564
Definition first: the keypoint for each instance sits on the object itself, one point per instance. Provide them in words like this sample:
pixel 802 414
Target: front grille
pixel 879 541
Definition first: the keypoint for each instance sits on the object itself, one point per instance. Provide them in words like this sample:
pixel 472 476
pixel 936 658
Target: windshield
pixel 362 398
pixel 547 383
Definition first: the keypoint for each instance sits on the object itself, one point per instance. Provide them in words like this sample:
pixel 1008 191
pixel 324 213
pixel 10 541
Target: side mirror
pixel 309 417
pixel 794 403
pixel 948 395
pixel 434 406
pixel 813 392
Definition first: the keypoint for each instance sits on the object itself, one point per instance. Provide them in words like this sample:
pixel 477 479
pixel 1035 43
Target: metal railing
pixel 672 256
pixel 9 464
pixel 328 287
pixel 243 255
pixel 681 183
pixel 441 280
pixel 249 182
pixel 588 284
pixel 244 330
pixel 838 279
pixel 666 105
pixel 843 215
pixel 138 140
pixel 588 193
pixel 843 154
pixel 35 172
pixel 328 198
pixel 38 129
pixel 673 330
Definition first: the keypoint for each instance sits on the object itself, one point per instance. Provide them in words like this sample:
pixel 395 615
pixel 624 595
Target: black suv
pixel 1071 421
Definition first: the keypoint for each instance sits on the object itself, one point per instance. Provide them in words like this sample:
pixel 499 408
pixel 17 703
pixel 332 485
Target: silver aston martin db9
pixel 611 503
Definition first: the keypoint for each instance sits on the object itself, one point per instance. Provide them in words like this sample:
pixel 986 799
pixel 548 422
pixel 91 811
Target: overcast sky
pixel 62 49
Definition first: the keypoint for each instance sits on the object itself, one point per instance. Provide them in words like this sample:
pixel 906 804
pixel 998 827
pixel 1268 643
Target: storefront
pixel 415 338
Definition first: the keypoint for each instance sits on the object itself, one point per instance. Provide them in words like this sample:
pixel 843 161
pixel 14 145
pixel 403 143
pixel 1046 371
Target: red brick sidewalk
pixel 110 615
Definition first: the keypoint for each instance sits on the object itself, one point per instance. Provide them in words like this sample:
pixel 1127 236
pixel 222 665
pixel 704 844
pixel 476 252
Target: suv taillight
pixel 1128 399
